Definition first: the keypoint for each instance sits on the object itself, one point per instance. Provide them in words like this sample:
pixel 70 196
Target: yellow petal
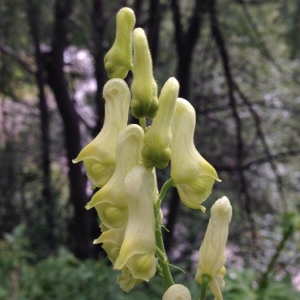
pixel 112 240
pixel 126 281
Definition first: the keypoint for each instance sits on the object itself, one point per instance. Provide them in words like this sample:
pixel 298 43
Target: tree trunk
pixel 47 204
pixel 98 24
pixel 154 28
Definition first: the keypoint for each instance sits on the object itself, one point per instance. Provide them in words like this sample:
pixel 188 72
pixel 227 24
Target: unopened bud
pixel 144 101
pixel 156 151
pixel 118 60
pixel 177 292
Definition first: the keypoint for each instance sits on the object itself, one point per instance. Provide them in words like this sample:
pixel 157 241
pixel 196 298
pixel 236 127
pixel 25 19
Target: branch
pixel 8 51
pixel 217 34
pixel 177 24
pixel 258 161
pixel 154 28
pixel 185 41
pixel 263 48
pixel 273 157
pixel 262 137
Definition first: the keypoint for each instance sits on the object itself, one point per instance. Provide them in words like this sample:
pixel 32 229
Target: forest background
pixel 237 62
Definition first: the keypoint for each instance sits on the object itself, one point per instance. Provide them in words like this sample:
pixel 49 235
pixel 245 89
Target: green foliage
pixel 241 285
pixel 57 277
pixel 63 277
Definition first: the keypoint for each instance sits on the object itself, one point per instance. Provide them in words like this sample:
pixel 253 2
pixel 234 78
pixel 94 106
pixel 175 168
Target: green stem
pixel 205 281
pixel 264 279
pixel 163 192
pixel 142 122
pixel 162 256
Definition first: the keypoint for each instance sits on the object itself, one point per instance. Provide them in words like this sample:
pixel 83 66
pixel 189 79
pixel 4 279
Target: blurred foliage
pixel 242 284
pixel 62 276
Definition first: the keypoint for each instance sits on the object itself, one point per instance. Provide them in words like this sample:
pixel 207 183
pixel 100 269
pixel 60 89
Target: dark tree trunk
pixel 80 233
pixel 154 28
pixel 47 204
pixel 99 51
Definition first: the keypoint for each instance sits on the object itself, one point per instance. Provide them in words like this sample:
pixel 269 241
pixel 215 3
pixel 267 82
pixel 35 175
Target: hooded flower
pixel 138 249
pixel 118 60
pixel 144 88
pixel 193 176
pixel 99 156
pixel 110 201
pixel 157 151
pixel 212 255
pixel 177 292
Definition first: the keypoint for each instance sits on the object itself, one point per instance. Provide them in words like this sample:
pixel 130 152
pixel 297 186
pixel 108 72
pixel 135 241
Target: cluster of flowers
pixel 122 159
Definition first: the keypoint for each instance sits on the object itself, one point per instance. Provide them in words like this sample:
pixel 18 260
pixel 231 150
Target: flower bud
pixel 110 201
pixel 99 156
pixel 212 255
pixel 193 176
pixel 156 151
pixel 118 60
pixel 144 101
pixel 177 292
pixel 138 249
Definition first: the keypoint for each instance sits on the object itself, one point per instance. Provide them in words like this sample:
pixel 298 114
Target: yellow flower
pixel 138 249
pixel 99 156
pixel 118 60
pixel 144 88
pixel 177 292
pixel 212 255
pixel 193 176
pixel 110 201
pixel 157 151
